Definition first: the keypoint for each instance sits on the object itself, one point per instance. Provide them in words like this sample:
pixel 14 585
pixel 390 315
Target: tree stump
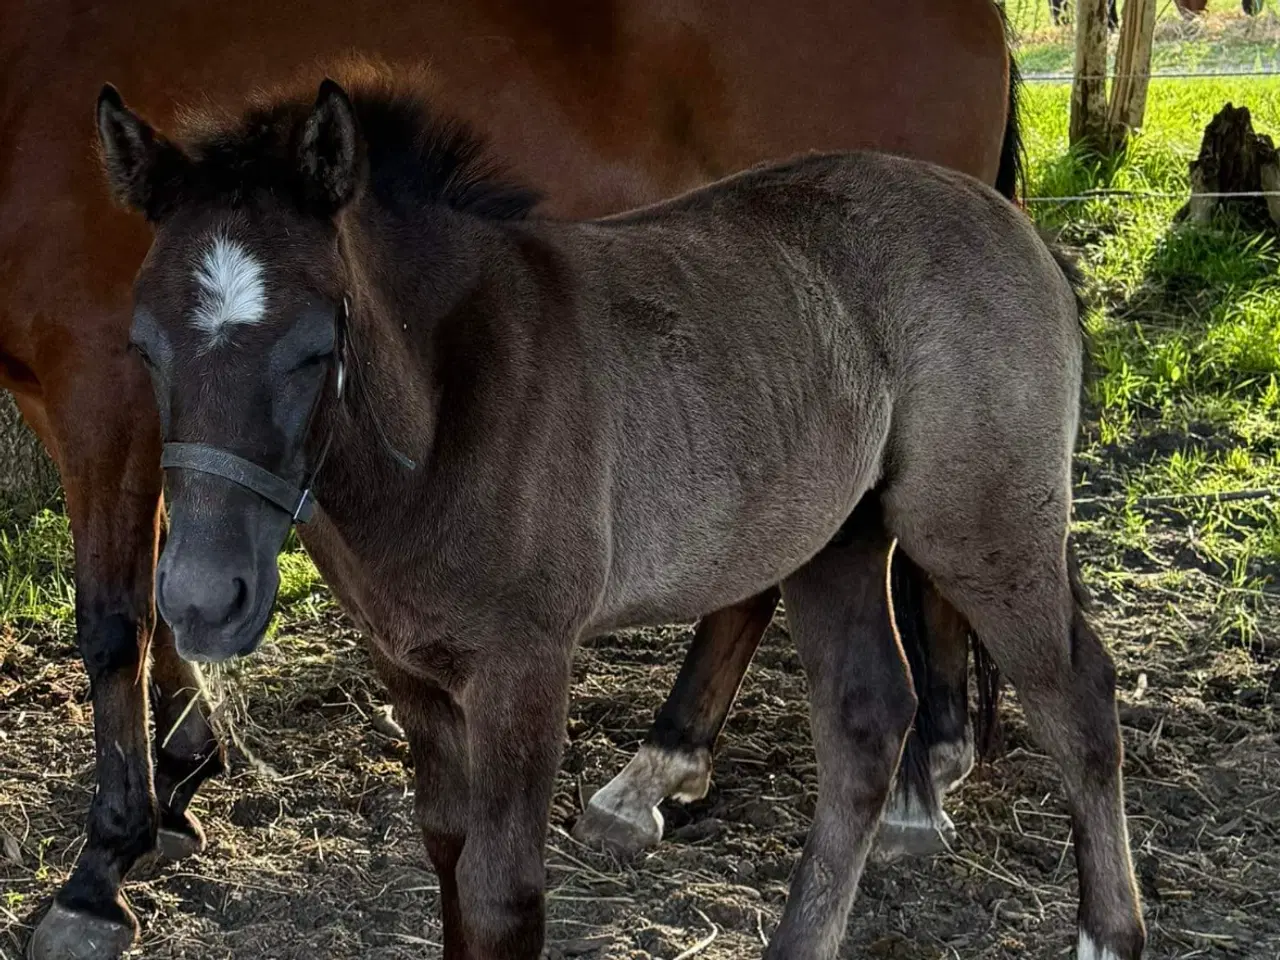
pixel 1234 159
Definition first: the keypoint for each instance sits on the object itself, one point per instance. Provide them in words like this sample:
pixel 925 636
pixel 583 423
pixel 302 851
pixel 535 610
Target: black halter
pixel 297 501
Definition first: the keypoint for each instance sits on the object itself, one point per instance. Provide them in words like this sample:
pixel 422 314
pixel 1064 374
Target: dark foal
pixel 524 432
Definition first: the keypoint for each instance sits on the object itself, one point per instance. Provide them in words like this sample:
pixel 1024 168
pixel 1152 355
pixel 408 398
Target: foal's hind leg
pixel 861 704
pixel 939 751
pixel 675 760
pixel 1011 581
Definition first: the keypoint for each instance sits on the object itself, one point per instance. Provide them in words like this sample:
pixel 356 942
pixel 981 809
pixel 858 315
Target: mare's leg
pixel 437 733
pixel 1011 581
pixel 108 456
pixel 939 751
pixel 675 760
pixel 862 704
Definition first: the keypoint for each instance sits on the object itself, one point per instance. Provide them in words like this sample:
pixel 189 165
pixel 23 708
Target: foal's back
pixel 778 341
pixel 897 256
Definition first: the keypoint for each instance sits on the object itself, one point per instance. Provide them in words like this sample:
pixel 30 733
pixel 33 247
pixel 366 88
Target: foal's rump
pixel 790 336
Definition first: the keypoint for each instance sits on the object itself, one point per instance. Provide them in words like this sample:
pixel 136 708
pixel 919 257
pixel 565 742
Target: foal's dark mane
pixel 416 157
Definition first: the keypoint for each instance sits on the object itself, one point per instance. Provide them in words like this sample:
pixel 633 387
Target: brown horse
pixel 522 432
pixel 600 105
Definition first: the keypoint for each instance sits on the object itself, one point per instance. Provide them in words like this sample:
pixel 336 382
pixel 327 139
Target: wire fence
pixel 1182 499
pixel 1064 76
pixel 1031 17
pixel 1109 194
pixel 1178 74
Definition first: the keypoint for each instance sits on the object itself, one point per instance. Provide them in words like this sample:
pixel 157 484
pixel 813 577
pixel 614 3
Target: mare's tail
pixel 1010 176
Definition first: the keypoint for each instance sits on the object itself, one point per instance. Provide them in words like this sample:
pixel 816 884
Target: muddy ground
pixel 313 853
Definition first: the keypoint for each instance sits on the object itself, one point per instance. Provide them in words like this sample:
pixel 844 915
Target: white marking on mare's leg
pixel 1088 950
pixel 624 813
pixel 232 290
pixel 951 762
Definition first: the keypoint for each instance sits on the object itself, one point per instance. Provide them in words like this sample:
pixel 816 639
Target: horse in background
pixel 1188 9
pixel 1057 9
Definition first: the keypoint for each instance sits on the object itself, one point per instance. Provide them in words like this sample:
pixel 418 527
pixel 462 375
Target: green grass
pixel 1186 340
pixel 36 571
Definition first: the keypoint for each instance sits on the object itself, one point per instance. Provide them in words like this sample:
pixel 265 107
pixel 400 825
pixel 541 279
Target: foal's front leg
pixel 437 733
pixel 515 707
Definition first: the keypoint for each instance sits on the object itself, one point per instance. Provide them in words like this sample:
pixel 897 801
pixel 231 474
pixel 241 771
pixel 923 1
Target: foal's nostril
pixel 224 602
pixel 241 599
pixel 192 594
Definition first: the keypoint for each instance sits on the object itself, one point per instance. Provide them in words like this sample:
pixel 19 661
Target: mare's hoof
pixel 66 934
pixel 897 839
pixel 179 838
pixel 623 831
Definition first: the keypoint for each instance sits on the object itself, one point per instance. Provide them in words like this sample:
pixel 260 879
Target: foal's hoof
pixel 66 934
pixel 898 839
pixel 179 837
pixel 624 831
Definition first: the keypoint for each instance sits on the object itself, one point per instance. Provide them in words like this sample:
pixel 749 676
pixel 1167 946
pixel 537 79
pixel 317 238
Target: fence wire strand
pixel 1065 77
pixel 1107 194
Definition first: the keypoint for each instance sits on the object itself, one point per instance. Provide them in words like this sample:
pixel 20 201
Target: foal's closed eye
pixel 312 361
pixel 141 352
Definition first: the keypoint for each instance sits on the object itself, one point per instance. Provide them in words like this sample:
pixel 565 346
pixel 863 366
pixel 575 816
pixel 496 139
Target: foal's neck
pixel 416 289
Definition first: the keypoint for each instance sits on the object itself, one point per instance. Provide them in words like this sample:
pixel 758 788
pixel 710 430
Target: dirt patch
pixel 313 852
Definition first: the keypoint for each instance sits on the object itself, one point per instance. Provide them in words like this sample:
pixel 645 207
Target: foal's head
pixel 239 312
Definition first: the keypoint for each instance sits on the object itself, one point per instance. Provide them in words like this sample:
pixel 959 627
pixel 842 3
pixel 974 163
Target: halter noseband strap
pixel 298 502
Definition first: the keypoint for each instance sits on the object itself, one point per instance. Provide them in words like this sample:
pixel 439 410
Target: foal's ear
pixel 143 168
pixel 332 154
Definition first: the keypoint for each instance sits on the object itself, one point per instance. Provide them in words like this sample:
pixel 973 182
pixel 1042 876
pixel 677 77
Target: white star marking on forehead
pixel 231 288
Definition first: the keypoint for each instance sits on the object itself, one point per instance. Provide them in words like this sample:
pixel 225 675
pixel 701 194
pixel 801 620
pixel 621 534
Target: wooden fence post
pixel 1133 70
pixel 1089 89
